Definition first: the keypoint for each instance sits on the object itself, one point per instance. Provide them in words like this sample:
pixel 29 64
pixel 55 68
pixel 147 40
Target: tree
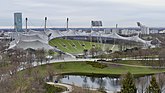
pixel 153 87
pixel 51 54
pixel 21 82
pixel 50 72
pixel 85 51
pixel 37 82
pixel 7 86
pixel 40 55
pixel 128 84
pixel 94 51
pixel 161 58
pixel 16 58
pixel 30 55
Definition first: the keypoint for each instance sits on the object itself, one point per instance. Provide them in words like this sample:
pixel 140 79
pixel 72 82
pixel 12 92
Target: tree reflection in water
pixel 110 83
pixel 92 79
pixel 101 82
pixel 142 83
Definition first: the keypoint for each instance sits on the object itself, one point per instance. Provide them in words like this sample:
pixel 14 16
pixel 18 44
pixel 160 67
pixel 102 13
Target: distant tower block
pixel 18 22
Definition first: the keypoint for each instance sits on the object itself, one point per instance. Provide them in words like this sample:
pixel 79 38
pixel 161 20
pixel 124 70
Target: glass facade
pixel 18 22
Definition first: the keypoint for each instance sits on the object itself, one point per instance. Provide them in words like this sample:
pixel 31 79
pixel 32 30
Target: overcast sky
pixel 125 13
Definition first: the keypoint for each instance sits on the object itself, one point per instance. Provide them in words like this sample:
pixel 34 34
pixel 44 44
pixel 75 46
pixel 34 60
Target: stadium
pixel 72 41
pixel 75 42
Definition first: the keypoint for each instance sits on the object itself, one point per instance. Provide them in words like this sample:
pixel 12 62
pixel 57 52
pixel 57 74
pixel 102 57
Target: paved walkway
pixel 126 64
pixel 69 87
pixel 89 59
pixel 64 60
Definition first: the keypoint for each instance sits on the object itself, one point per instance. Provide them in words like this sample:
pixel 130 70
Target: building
pixel 128 32
pixel 116 30
pixel 144 30
pixel 18 22
pixel 154 31
pixel 107 31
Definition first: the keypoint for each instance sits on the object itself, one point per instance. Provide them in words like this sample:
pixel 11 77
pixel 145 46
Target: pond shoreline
pixel 104 75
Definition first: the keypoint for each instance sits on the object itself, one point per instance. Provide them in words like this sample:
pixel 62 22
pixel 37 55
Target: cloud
pixel 80 12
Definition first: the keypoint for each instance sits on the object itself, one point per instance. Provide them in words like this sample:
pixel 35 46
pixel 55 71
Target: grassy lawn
pixel 81 68
pixel 131 62
pixel 139 63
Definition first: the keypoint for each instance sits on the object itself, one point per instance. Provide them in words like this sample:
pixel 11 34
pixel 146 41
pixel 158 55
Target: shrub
pixel 96 64
pixel 53 89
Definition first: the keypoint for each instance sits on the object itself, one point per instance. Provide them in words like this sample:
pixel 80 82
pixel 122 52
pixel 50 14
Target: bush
pixel 96 64
pixel 53 89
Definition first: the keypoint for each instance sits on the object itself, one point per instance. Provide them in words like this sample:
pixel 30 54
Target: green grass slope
pixel 76 46
pixel 82 68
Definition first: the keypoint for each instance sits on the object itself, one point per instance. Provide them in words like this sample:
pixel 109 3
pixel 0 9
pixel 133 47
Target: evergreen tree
pixel 128 84
pixel 153 87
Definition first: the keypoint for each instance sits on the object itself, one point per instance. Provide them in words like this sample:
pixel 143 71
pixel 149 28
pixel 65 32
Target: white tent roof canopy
pixel 39 39
pixel 31 44
pixel 102 34
pixel 32 39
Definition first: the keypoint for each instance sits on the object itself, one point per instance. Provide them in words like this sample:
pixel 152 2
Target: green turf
pixel 81 68
pixel 132 62
pixel 140 62
pixel 78 45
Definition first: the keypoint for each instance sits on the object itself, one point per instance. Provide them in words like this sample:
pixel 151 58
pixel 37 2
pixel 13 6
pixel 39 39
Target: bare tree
pixel 7 86
pixel 162 58
pixel 38 81
pixel 94 51
pixel 50 72
pixel 40 55
pixel 85 51
pixel 51 53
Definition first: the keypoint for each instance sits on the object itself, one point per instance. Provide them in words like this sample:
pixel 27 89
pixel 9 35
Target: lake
pixel 107 83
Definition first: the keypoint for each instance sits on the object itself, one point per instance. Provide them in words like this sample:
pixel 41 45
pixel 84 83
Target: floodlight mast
pixel 139 24
pixel 16 31
pixel 116 26
pixel 91 26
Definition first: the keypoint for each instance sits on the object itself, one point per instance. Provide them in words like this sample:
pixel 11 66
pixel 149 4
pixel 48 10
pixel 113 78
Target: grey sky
pixel 124 12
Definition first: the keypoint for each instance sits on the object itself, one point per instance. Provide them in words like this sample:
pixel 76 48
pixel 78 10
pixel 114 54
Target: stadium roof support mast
pixel 116 26
pixel 26 19
pixel 45 23
pixel 114 41
pixel 67 24
pixel 90 36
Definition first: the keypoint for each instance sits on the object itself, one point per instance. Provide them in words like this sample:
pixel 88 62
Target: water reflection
pixel 85 83
pixel 93 82
pixel 110 83
pixel 142 83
